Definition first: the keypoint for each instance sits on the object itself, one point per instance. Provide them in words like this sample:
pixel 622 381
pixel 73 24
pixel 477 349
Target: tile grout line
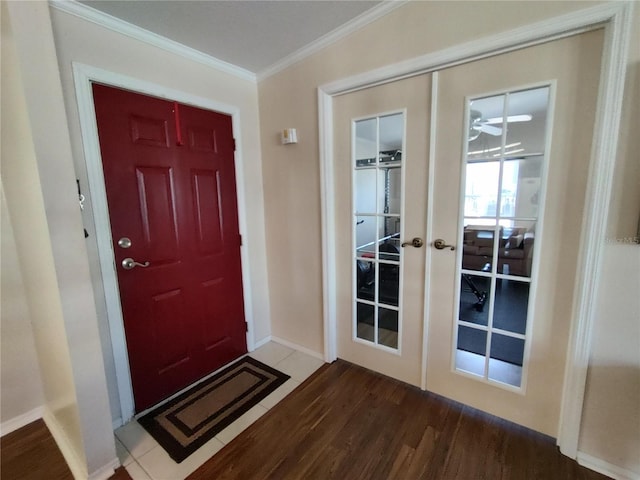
pixel 298 382
pixel 142 466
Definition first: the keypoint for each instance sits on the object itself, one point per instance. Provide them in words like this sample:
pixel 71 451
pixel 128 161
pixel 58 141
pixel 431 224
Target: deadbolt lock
pixel 124 242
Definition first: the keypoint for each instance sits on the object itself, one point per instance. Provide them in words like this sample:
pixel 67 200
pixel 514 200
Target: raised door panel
pixel 207 211
pixel 157 205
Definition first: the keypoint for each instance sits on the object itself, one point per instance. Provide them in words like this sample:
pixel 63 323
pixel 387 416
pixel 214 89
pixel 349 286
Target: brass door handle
pixel 417 242
pixel 441 244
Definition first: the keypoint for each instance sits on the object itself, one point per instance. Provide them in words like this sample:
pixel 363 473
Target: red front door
pixel 170 181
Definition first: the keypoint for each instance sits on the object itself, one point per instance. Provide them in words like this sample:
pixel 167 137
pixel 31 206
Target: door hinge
pixel 240 239
pixel 234 144
pixel 246 326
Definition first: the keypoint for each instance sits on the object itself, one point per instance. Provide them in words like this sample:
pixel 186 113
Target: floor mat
pixel 187 422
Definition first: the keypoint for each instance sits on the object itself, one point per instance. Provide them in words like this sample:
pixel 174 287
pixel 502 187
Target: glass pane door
pixel 377 187
pixel 503 172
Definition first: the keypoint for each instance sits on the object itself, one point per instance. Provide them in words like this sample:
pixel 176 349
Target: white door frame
pixel 83 76
pixel 615 17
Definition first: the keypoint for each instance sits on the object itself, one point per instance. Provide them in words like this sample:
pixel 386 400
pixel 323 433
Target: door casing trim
pixel 615 18
pixel 83 76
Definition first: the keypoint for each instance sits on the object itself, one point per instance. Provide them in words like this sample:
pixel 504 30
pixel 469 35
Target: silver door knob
pixel 124 242
pixel 417 242
pixel 130 263
pixel 441 244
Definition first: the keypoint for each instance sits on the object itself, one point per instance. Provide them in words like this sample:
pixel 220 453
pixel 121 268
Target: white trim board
pixel 606 468
pixel 260 343
pixel 297 347
pixel 289 344
pixel 362 20
pixel 615 17
pixel 435 79
pixel 77 465
pixel 594 222
pixel 20 421
pixel 116 423
pixel 83 76
pixel 138 33
pixel 115 24
pixel 105 472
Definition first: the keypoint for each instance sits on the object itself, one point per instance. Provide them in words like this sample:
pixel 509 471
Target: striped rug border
pixel 177 451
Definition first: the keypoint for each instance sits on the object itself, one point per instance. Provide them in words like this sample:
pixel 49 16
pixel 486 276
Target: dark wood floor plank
pixel 120 474
pixel 31 453
pixel 346 422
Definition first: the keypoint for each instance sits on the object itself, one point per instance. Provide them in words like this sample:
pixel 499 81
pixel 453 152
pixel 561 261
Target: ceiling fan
pixel 478 124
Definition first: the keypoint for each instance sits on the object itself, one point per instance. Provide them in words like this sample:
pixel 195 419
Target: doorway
pixel 170 182
pixel 463 353
pixel 107 286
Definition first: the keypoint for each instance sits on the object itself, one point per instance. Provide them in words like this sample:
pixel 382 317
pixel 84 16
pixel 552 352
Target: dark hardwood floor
pixel 349 423
pixel 31 453
pixel 346 423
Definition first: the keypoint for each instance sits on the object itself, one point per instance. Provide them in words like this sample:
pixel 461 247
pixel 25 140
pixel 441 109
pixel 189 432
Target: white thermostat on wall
pixel 289 135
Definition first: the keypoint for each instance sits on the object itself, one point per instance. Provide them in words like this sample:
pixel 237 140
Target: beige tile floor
pixel 144 459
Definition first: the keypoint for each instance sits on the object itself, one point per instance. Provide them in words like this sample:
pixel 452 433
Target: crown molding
pixel 362 20
pixel 85 12
pixel 125 28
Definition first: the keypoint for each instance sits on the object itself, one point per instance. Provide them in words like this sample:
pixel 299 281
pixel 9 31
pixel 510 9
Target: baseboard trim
pixel 76 465
pixel 260 343
pixel 117 423
pixel 20 421
pixel 295 346
pixel 605 468
pixel 78 468
pixel 105 472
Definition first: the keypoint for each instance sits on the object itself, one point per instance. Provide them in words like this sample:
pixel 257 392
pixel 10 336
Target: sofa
pixel 515 249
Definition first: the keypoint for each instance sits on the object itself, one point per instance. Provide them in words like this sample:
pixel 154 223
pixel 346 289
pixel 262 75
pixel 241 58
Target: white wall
pixel 20 382
pixel 78 40
pixel 39 183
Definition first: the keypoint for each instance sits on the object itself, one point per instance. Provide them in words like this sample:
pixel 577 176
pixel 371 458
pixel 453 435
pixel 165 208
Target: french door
pixel 513 139
pixel 381 168
pixel 508 174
